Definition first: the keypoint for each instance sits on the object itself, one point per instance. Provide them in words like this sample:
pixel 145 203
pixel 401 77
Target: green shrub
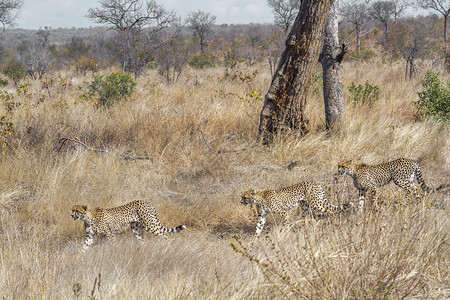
pixel 203 60
pixel 6 131
pixel 364 94
pixel 434 99
pixel 3 82
pixel 112 88
pixel 16 71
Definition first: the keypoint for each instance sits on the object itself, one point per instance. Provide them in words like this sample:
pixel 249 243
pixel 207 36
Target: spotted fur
pixel 111 221
pixel 402 171
pixel 310 196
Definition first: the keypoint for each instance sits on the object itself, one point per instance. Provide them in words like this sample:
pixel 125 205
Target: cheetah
pixel 367 178
pixel 307 195
pixel 111 221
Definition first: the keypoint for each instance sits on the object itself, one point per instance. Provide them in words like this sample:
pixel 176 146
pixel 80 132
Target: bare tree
pixel 410 40
pixel 44 34
pixel 132 49
pixel 387 12
pixel 443 7
pixel 274 45
pixel 8 11
pixel 333 92
pixel 356 12
pixel 36 57
pixel 200 23
pixel 138 23
pixel 284 103
pixel 123 15
pixel 284 12
pixel 172 58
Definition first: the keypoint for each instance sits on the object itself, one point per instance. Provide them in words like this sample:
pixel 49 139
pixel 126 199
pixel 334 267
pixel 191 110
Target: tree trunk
pixel 446 54
pixel 333 92
pixel 284 104
pixel 358 40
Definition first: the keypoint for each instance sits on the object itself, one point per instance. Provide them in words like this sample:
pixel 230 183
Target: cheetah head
pixel 79 212
pixel 248 197
pixel 345 167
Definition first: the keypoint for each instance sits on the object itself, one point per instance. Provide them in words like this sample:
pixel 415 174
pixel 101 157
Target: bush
pixel 15 70
pixel 112 88
pixel 3 82
pixel 366 94
pixel 434 99
pixel 6 131
pixel 203 60
pixel 85 64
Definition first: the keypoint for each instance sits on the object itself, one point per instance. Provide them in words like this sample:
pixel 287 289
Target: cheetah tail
pixel 422 183
pixel 174 230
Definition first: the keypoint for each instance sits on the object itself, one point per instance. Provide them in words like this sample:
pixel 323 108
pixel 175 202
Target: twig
pixel 204 139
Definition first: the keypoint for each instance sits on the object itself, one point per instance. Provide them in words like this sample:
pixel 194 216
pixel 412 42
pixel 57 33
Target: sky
pixel 37 14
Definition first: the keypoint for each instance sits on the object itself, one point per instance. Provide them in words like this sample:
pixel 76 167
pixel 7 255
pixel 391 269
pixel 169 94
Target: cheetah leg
pixel 89 237
pixel 409 186
pixel 156 227
pixel 374 196
pixel 362 194
pixel 137 230
pixel 260 223
pixel 416 192
pixel 285 217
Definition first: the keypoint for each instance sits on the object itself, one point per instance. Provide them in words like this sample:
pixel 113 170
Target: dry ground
pixel 199 136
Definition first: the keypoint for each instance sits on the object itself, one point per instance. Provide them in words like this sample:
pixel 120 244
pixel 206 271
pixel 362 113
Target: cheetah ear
pixel 84 207
pixel 350 161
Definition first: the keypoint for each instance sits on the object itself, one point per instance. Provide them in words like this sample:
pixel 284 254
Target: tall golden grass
pixel 199 136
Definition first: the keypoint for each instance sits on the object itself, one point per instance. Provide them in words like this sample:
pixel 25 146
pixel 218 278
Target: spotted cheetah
pixel 367 178
pixel 111 221
pixel 308 195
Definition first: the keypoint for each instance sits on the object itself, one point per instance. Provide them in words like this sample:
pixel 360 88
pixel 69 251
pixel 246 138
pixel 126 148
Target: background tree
pixel 200 23
pixel 44 35
pixel 410 40
pixel 133 50
pixel 284 103
pixel 132 46
pixel 443 7
pixel 172 57
pixel 284 12
pixel 387 12
pixel 123 15
pixel 77 47
pixel 8 11
pixel 274 45
pixel 333 92
pixel 356 12
pixel 36 57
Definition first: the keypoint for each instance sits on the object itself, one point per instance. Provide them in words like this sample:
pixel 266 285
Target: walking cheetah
pixel 111 221
pixel 307 195
pixel 367 178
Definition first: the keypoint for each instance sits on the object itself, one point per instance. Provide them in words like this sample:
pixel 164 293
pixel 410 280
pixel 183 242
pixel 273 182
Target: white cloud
pixel 234 11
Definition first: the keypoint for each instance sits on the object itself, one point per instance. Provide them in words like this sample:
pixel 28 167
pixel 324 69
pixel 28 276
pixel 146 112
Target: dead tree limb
pixel 83 141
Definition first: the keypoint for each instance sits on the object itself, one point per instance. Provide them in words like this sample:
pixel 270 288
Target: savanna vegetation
pixel 83 122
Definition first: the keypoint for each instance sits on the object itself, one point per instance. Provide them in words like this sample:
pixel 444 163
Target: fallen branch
pixel 64 142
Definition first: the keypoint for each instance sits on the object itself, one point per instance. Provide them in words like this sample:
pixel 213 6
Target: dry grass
pixel 397 249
